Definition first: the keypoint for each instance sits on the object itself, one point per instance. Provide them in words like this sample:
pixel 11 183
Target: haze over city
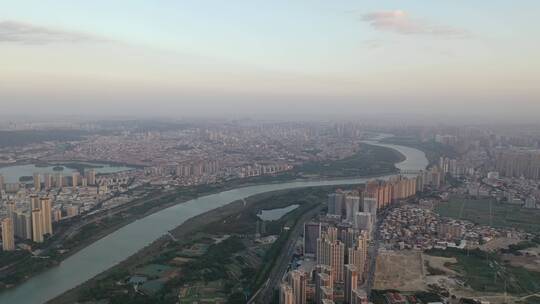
pixel 467 60
pixel 269 152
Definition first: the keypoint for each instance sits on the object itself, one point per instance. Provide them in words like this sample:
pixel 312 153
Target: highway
pixel 373 251
pixel 265 294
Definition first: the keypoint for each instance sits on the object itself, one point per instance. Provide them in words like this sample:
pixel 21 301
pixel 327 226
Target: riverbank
pixel 209 223
pixel 131 238
pixel 98 226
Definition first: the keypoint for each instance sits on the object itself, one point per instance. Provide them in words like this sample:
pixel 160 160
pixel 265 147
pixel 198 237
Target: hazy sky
pixel 311 57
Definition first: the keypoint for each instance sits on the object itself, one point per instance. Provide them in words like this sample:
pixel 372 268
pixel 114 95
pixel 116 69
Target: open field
pixel 399 270
pixel 499 243
pixel 475 274
pixel 486 272
pixel 490 212
pixel 529 262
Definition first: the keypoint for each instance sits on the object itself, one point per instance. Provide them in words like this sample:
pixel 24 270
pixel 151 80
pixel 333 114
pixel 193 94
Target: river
pixel 119 245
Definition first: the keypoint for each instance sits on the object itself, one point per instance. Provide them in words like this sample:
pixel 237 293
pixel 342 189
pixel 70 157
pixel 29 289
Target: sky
pixel 319 58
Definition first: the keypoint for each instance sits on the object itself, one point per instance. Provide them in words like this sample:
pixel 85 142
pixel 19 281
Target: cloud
pixel 401 23
pixel 25 33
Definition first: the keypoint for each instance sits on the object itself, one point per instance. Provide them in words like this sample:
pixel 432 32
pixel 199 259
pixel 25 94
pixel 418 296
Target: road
pixel 265 294
pixel 373 251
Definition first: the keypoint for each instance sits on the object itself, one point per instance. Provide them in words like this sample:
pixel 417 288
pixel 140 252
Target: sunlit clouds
pixel 26 33
pixel 400 22
pixel 301 57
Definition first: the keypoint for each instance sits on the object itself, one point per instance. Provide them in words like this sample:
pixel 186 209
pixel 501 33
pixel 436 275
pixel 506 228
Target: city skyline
pixel 475 61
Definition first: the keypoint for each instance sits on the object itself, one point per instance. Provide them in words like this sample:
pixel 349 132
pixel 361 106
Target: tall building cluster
pixel 33 224
pixel 8 240
pixel 393 190
pixel 58 180
pixel 338 243
pixel 30 207
pixel 518 163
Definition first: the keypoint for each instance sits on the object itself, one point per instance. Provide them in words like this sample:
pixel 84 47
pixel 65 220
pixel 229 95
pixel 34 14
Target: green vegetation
pixel 515 248
pixel 24 265
pixel 485 272
pixel 8 257
pixel 212 265
pixel 370 160
pixel 378 296
pixel 428 297
pixel 490 212
pixel 532 300
pixel 433 150
pixel 206 269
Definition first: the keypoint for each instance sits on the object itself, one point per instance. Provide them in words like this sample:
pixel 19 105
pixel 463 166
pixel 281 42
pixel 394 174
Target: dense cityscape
pixel 269 152
pixel 334 245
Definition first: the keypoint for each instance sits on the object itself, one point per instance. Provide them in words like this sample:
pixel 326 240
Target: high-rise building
pixel 84 182
pixel 364 221
pixel 517 163
pixel 336 203
pixel 56 215
pixel 75 179
pixel 352 206
pixel 46 215
pixel 90 176
pixel 357 255
pixel 298 281
pixel 8 240
pixel 331 253
pixel 351 282
pixel 349 236
pixel 312 231
pixel 286 294
pixel 2 182
pixel 324 282
pixel 37 226
pixel 381 191
pixel 48 181
pixel 59 180
pixel 23 225
pixel 37 182
pixel 34 202
pixel 331 233
pixel 10 205
pixel 370 206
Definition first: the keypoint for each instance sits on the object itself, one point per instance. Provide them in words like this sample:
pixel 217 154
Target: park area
pixel 492 213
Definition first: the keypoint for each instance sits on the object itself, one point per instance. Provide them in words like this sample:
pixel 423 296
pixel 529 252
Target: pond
pixel 276 214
